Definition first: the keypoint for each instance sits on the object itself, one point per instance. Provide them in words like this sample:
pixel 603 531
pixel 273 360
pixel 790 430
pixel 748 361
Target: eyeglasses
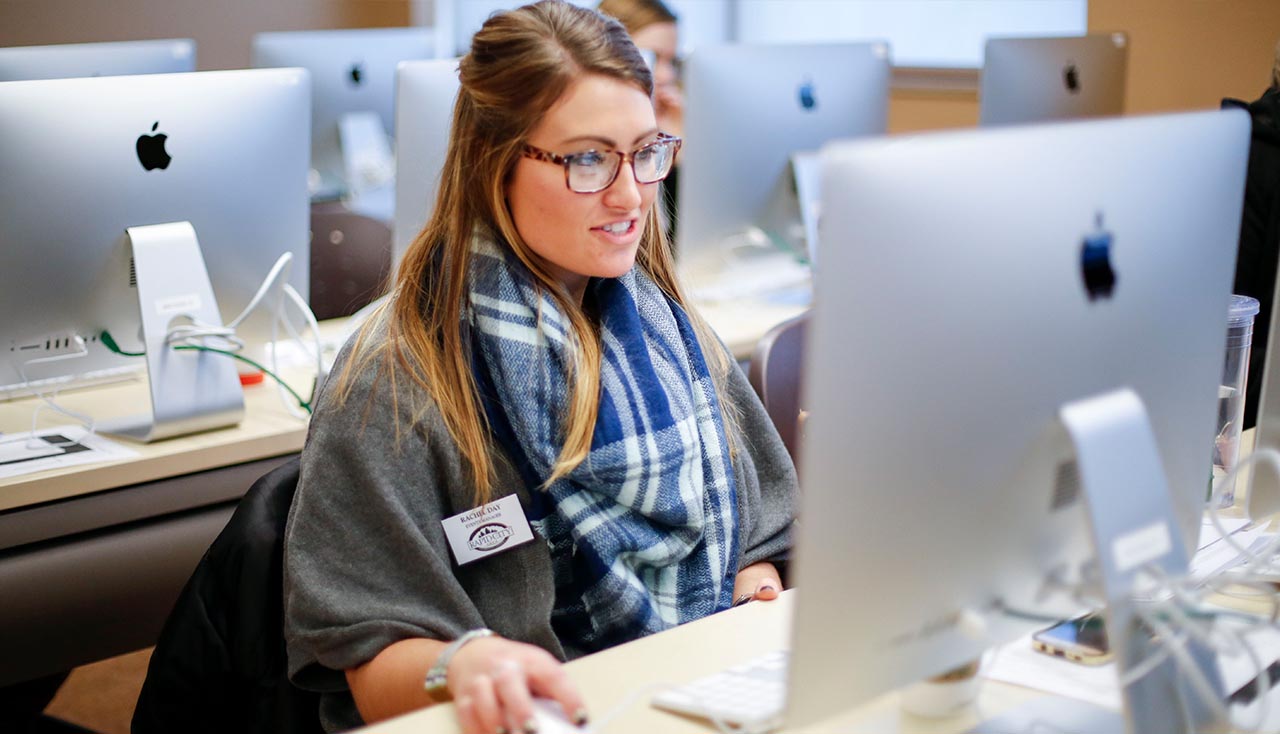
pixel 595 170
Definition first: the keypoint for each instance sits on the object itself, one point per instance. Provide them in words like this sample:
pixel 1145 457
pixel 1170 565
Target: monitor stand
pixel 1134 527
pixel 190 391
pixel 368 165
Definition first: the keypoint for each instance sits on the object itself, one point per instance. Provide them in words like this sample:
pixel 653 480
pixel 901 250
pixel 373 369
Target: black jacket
pixel 1259 250
pixel 219 665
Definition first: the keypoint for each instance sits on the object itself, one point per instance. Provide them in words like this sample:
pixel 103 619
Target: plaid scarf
pixel 643 533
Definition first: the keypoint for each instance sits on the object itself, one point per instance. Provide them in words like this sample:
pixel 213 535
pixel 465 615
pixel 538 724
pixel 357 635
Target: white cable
pixel 314 325
pixel 599 724
pixel 86 421
pixel 1175 643
pixel 195 333
pixel 280 264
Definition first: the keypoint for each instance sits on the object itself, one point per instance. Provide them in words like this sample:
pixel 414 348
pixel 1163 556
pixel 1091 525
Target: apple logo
pixel 1095 262
pixel 1071 77
pixel 356 74
pixel 807 99
pixel 151 152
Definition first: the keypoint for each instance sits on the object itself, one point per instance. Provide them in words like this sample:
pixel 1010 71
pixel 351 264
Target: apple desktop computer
pixel 425 95
pixel 1010 368
pixel 1035 79
pixel 353 92
pixel 120 58
pixel 1020 300
pixel 85 159
pixel 749 109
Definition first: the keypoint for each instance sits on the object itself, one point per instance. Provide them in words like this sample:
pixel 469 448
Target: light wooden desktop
pixel 625 677
pixel 618 683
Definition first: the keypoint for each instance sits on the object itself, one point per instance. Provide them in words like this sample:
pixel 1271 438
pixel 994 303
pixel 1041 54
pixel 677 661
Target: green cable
pixel 110 343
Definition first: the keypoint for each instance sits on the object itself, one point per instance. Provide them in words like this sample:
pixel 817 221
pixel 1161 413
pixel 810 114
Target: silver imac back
pixel 956 311
pixel 1036 79
pixel 85 158
pixel 351 71
pixel 425 94
pixel 748 109
pixel 119 58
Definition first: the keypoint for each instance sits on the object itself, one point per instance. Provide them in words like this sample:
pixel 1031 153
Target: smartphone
pixel 1081 640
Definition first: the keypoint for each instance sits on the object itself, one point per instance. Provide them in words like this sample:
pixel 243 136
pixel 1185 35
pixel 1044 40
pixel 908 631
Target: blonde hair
pixel 519 65
pixel 637 14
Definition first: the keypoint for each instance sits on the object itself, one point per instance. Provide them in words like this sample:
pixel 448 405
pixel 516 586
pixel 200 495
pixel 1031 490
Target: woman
pixel 653 28
pixel 536 360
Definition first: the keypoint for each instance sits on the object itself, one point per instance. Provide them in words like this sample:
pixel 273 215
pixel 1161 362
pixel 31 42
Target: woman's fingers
pixel 547 679
pixel 486 717
pixel 512 689
pixel 767 589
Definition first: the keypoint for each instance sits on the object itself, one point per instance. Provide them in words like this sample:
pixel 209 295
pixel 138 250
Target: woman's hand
pixel 493 681
pixel 757 582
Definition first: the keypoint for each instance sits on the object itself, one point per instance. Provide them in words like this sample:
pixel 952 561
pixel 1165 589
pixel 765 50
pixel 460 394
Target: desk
pixel 629 671
pixel 92 557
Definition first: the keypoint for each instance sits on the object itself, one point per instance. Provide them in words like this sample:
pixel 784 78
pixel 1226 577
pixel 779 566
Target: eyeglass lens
pixel 592 171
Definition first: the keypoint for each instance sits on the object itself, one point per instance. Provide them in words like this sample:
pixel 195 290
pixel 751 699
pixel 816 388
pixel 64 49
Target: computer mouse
pixel 551 719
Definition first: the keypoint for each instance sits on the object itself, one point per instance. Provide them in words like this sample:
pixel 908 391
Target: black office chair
pixel 775 372
pixel 220 665
pixel 350 260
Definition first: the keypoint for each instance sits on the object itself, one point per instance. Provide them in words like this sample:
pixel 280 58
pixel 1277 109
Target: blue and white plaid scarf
pixel 643 533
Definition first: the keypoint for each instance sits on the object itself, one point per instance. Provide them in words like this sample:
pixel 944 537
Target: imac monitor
pixel 352 71
pixel 425 94
pixel 1035 79
pixel 164 56
pixel 957 310
pixel 748 109
pixel 84 159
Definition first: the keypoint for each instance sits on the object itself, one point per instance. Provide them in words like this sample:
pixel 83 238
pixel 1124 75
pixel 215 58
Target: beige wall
pixel 1184 54
pixel 222 28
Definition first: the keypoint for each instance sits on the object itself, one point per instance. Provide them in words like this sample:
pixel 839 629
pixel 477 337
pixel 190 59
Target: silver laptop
pixel 425 94
pixel 352 71
pixel 975 283
pixel 748 109
pixel 85 158
pixel 163 56
pixel 1036 79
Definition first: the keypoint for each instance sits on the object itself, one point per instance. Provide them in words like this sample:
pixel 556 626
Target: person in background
pixel 653 28
pixel 537 448
pixel 1259 247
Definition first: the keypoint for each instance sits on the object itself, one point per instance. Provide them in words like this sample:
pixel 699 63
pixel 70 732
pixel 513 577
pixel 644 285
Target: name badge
pixel 487 530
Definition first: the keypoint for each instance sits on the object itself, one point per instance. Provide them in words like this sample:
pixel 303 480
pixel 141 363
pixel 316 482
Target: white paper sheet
pixel 54 448
pixel 1018 663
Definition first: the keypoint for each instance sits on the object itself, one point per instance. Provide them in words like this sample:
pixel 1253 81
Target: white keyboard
pixel 750 696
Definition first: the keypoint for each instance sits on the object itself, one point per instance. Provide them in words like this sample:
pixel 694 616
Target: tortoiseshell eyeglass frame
pixel 538 154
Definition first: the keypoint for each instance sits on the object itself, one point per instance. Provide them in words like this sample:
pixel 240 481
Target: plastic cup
pixel 1231 393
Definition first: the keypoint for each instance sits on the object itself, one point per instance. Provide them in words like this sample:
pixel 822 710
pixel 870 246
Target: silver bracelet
pixel 437 683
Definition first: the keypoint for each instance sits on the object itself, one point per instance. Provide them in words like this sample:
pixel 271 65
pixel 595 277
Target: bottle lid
pixel 1242 310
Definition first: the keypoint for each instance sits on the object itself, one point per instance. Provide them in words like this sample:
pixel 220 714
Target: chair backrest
pixel 350 261
pixel 220 663
pixel 775 372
